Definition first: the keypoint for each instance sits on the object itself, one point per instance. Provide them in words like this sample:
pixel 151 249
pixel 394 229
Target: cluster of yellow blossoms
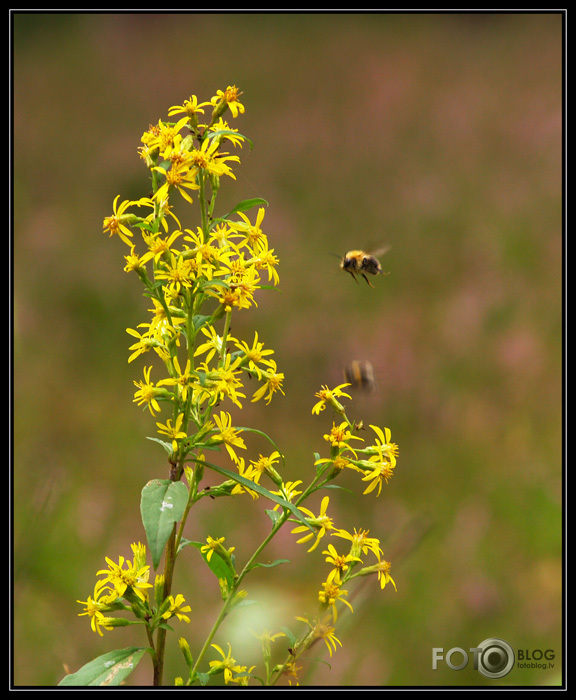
pixel 195 279
pixel 221 264
pixel 125 587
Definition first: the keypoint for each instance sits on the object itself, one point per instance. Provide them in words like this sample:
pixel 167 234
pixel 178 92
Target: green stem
pixel 225 338
pixel 202 200
pixel 229 600
pixel 154 654
pixel 225 608
pixel 170 557
pixel 192 497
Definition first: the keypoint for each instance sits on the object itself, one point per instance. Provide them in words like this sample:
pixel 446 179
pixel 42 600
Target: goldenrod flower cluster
pixel 125 588
pixel 195 279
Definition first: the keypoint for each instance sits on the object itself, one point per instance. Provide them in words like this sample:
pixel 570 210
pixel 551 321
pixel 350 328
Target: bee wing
pixel 379 252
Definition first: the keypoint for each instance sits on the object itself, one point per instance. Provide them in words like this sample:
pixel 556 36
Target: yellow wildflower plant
pixel 197 275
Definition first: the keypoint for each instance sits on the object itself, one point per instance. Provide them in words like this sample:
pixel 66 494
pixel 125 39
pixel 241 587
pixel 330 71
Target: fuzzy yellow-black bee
pixel 359 262
pixel 360 374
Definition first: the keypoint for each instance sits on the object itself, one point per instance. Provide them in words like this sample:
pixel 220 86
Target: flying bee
pixel 359 262
pixel 360 374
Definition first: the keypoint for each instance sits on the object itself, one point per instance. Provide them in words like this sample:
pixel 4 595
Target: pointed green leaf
pixel 290 635
pixel 274 515
pixel 200 320
pixel 166 445
pixel 162 504
pixel 109 669
pixel 246 204
pixel 222 569
pixel 260 490
pixel 271 564
pixel 230 132
pixel 203 678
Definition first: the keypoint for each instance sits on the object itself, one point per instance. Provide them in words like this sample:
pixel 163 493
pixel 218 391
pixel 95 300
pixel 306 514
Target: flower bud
pixel 115 622
pixel 185 649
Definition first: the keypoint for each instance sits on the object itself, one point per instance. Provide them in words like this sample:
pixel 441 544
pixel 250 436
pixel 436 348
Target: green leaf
pixel 244 205
pixel 267 437
pixel 166 445
pixel 203 678
pixel 226 132
pixel 162 504
pixel 200 320
pixel 271 564
pixel 221 568
pixel 274 515
pixel 109 669
pixel 290 635
pixel 260 490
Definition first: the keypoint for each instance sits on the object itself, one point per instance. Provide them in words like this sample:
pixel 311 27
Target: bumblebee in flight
pixel 358 262
pixel 360 374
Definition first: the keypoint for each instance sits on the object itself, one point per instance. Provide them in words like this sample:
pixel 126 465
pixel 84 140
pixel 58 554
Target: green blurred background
pixel 437 134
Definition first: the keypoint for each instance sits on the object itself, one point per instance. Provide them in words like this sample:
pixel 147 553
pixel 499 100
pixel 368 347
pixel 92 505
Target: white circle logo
pixel 496 658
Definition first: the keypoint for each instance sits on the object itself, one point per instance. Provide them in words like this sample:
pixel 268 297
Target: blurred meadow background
pixel 439 135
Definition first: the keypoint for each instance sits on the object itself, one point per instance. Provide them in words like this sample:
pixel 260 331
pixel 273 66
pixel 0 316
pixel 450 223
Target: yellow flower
pixel 135 262
pixel 288 491
pixel 239 292
pixel 384 574
pixel 96 606
pixel 221 125
pixel 222 234
pixel 340 435
pixel 116 223
pixel 163 136
pixel 253 232
pixel 208 159
pixel 266 260
pixel 328 396
pixel 215 344
pixel 255 354
pixel 227 665
pixel 180 177
pixel 157 246
pixel 322 630
pixel 139 552
pixel 177 272
pixel 145 342
pixel 177 608
pixel 360 542
pixel 379 471
pixel 264 465
pixel 133 577
pixel 211 547
pixel 183 379
pixel 248 472
pixel 382 569
pixel 330 594
pixel 383 445
pixel 322 523
pixel 340 561
pixel 228 435
pixel 165 328
pixel 173 431
pixel 190 107
pixel 272 383
pixel 380 464
pixel 147 392
pixel 228 98
pixel 224 381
